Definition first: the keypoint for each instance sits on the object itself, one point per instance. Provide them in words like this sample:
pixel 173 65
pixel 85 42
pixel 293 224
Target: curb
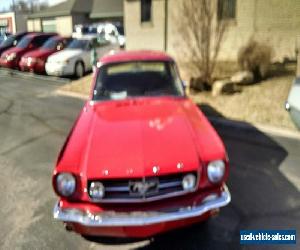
pixel 28 75
pixel 253 127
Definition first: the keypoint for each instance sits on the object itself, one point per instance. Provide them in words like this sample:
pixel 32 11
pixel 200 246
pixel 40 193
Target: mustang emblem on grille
pixel 143 187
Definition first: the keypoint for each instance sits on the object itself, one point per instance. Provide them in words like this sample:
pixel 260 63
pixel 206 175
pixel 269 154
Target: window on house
pixel 49 25
pixel 146 7
pixel 226 9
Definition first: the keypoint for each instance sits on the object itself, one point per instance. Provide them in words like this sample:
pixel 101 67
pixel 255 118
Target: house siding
pixel 274 22
pixel 144 35
pixel 64 25
pixel 34 25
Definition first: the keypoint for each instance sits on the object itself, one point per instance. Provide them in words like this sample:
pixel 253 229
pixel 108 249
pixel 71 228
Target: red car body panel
pixel 34 65
pixel 14 63
pixel 125 139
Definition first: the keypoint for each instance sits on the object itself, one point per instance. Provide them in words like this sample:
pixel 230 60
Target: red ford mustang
pixel 141 158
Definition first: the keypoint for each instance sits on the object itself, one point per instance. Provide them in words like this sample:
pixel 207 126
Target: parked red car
pixel 35 60
pixel 12 41
pixel 141 158
pixel 11 57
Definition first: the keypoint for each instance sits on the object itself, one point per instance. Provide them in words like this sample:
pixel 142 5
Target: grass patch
pixel 261 103
pixel 80 86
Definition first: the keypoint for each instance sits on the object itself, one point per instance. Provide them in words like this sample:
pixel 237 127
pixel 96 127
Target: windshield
pixel 24 42
pixel 9 41
pixel 50 44
pixel 136 79
pixel 78 44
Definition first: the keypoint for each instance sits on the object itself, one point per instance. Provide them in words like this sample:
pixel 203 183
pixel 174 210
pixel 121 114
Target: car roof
pixel 138 55
pixel 32 35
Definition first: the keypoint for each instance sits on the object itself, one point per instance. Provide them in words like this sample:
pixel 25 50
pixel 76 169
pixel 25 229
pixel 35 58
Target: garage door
pixel 49 25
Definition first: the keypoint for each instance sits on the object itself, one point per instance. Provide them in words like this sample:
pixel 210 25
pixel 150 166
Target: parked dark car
pixel 12 41
pixel 35 60
pixel 4 36
pixel 11 57
pixel 293 103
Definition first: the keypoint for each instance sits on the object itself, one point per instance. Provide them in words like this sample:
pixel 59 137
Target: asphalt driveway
pixel 34 122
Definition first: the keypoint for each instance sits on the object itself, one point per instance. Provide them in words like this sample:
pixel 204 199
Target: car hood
pixel 39 53
pixel 117 139
pixel 4 48
pixel 64 55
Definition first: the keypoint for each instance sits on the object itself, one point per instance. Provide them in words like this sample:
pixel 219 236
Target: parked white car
pixel 113 32
pixel 76 58
pixel 293 103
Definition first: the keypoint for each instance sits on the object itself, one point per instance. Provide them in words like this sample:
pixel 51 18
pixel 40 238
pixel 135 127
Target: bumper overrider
pixel 113 219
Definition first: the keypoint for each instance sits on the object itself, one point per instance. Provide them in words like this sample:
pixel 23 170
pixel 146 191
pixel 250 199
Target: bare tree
pixel 201 33
pixel 28 6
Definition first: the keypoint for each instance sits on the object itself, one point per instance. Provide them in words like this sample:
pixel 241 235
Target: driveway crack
pixel 24 143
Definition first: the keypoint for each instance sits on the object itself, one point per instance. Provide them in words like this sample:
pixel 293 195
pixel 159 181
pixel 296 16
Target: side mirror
pixel 30 46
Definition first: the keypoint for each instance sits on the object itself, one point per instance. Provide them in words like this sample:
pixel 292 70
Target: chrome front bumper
pixel 110 218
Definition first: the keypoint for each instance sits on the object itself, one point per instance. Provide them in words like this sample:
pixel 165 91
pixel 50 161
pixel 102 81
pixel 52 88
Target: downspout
pixel 166 25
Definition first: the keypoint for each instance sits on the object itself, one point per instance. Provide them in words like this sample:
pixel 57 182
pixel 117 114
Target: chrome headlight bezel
pixel 96 190
pixel 216 171
pixel 189 182
pixel 65 184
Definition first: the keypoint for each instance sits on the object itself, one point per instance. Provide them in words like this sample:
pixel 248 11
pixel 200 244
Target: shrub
pixel 200 37
pixel 255 57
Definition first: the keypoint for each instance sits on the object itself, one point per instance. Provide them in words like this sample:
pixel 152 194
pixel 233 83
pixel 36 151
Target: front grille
pixel 129 190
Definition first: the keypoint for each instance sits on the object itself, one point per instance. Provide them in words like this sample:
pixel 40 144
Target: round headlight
pixel 189 182
pixel 215 171
pixel 96 190
pixel 65 184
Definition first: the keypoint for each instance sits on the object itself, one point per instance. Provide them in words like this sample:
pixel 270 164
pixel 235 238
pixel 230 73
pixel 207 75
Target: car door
pixel 86 56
